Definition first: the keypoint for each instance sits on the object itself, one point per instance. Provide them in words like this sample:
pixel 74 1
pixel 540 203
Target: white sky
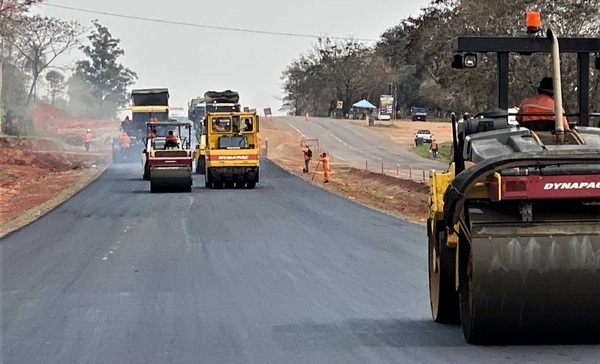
pixel 190 61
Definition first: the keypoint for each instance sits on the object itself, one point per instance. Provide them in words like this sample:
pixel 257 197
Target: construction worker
pixel 325 160
pixel 307 157
pixel 171 140
pixel 542 103
pixel 87 138
pixel 125 141
pixel 248 124
pixel 434 148
pixel 152 134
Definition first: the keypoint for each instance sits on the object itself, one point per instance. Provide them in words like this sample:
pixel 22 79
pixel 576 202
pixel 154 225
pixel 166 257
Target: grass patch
pixel 443 151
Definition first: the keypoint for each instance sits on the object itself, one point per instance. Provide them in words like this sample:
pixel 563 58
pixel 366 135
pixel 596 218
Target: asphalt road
pixel 285 273
pixel 353 145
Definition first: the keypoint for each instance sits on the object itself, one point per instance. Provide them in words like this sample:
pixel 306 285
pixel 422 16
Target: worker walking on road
pixel 434 148
pixel 325 160
pixel 87 138
pixel 307 157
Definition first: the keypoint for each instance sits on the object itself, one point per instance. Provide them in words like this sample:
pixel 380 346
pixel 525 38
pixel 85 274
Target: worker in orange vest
pixel 434 148
pixel 125 141
pixel 307 157
pixel 326 169
pixel 87 138
pixel 152 134
pixel 542 103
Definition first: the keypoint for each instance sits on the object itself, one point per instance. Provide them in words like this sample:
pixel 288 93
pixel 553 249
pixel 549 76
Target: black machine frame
pixel 503 46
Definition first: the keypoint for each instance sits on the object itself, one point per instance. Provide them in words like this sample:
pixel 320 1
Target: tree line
pixel 30 45
pixel 413 58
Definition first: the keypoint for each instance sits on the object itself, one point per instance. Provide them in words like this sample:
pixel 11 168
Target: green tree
pixel 56 84
pixel 11 12
pixel 107 78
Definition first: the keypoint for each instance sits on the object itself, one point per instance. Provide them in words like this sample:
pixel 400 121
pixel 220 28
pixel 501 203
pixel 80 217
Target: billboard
pixel 267 111
pixel 386 105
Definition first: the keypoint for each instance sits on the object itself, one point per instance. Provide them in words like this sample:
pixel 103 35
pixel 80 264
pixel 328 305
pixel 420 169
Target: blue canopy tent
pixel 364 104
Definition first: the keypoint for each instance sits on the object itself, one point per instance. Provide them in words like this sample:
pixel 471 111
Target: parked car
pixel 425 135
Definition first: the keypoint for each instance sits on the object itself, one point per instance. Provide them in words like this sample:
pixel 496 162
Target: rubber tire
pixel 443 297
pixel 146 172
pixel 250 185
pixel 201 165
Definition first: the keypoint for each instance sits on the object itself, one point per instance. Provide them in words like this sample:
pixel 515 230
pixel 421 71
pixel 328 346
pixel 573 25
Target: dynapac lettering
pixel 572 186
pixel 230 157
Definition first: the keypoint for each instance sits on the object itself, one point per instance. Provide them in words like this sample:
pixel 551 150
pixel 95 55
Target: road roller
pixel 514 222
pixel 167 159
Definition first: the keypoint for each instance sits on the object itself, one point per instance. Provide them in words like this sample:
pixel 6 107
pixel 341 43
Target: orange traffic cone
pixel 306 117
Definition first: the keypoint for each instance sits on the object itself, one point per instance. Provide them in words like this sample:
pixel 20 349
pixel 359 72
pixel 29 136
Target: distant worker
pixel 216 126
pixel 248 126
pixel 152 134
pixel 307 156
pixel 543 103
pixel 326 169
pixel 171 141
pixel 125 124
pixel 434 148
pixel 125 141
pixel 87 138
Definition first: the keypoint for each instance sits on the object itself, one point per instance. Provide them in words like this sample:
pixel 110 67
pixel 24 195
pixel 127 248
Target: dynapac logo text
pixel 233 157
pixel 572 186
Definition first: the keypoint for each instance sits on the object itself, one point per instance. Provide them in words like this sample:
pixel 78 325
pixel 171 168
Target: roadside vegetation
pixel 443 151
pixel 29 73
pixel 409 61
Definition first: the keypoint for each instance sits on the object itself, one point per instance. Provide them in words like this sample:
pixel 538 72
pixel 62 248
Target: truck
pixel 231 157
pixel 418 113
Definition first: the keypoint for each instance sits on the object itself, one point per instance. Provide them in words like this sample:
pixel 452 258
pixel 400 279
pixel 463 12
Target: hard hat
pixel 547 85
pixel 88 130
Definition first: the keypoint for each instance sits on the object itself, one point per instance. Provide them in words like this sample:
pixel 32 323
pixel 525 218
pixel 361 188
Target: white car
pixel 424 134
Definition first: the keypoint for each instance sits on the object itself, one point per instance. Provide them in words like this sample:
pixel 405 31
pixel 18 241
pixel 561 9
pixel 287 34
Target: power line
pixel 195 25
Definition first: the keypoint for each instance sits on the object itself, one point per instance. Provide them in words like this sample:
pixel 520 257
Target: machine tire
pixel 250 185
pixel 443 297
pixel 201 165
pixel 146 172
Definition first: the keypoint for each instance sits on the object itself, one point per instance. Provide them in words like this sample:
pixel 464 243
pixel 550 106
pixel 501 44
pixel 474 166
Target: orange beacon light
pixel 533 21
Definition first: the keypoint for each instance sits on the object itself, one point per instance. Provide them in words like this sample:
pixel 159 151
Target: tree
pixel 107 78
pixel 56 83
pixel 11 12
pixel 41 41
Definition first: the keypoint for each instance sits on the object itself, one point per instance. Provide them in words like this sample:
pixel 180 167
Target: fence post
pixel 267 146
pixel 366 165
pixel 382 168
pixel 397 170
pixel 410 173
pixel 423 176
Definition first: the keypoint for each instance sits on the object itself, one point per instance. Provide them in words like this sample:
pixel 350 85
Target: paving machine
pixel 232 149
pixel 168 164
pixel 514 223
pixel 145 104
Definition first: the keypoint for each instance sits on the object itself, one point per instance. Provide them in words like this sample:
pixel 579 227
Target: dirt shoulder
pixel 399 197
pixel 38 174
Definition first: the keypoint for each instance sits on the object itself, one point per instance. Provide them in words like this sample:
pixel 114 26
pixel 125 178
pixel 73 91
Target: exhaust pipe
pixel 558 108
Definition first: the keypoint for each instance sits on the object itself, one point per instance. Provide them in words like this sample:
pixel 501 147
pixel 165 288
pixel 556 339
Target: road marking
pixel 296 129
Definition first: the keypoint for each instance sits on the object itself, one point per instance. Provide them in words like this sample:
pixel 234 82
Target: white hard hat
pixel 89 130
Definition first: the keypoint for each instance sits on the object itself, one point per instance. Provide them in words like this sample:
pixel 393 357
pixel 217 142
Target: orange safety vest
pixel 542 103
pixel 125 141
pixel 325 161
pixel 88 137
pixel 305 150
pixel 434 145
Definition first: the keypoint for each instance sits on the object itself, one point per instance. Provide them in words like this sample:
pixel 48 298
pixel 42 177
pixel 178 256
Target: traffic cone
pixel 306 117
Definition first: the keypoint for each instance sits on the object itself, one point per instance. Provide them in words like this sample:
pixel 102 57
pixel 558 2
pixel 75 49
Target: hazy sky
pixel 192 60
